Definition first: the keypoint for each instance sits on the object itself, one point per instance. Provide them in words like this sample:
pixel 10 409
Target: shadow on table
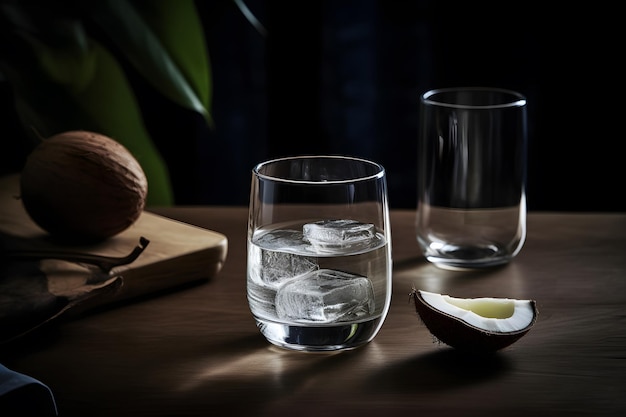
pixel 437 371
pixel 408 263
pixel 250 371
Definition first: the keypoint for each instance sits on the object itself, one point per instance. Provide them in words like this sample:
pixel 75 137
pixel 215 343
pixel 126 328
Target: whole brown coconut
pixel 83 186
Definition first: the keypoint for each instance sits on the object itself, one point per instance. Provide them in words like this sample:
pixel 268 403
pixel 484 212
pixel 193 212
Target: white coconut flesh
pixel 498 315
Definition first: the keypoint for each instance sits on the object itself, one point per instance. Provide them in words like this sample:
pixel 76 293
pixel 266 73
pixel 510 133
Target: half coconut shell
pixel 453 321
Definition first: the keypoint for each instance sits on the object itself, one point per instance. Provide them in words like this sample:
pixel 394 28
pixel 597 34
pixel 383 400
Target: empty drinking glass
pixel 471 210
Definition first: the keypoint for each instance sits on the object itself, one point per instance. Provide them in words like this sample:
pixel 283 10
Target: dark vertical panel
pixel 293 60
pixel 225 155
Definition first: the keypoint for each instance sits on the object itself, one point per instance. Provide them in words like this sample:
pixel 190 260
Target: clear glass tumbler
pixel 471 209
pixel 319 251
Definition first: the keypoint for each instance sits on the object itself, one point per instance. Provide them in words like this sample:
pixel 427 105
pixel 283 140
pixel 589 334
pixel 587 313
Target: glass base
pixel 458 257
pixel 311 338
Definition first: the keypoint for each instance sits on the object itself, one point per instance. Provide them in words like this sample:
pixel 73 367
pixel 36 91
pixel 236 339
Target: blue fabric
pixel 22 395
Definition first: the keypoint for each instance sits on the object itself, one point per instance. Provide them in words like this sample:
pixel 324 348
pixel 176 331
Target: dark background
pixel 344 77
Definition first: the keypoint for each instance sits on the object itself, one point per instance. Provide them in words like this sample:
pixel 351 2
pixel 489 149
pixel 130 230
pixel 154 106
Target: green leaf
pixel 177 25
pixel 241 4
pixel 164 41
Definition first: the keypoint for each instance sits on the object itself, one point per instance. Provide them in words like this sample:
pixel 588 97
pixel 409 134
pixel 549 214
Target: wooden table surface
pixel 196 351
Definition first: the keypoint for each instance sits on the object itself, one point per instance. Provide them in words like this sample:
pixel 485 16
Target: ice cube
pixel 338 234
pixel 269 262
pixel 282 240
pixel 325 296
pixel 261 299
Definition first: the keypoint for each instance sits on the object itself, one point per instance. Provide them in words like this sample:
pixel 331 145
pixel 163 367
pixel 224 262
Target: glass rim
pixel 514 98
pixel 380 173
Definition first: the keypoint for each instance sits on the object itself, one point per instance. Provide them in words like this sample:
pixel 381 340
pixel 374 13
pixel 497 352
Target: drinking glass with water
pixel 319 251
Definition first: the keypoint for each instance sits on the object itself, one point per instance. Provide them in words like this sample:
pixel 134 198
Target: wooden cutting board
pixel 177 254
